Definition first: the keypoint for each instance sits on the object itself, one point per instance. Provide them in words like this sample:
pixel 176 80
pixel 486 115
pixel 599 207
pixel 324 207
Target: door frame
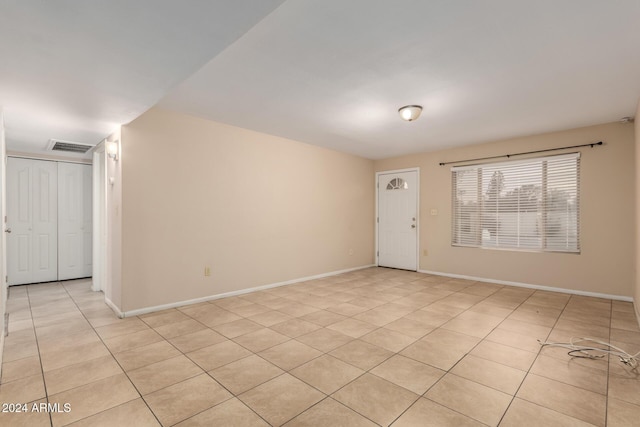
pixel 99 281
pixel 376 220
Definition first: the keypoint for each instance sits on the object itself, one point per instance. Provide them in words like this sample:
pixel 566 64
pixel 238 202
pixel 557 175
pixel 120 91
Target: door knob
pixel 8 230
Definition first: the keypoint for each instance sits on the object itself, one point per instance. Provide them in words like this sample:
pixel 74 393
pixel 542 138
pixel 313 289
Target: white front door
pixel 32 217
pixel 74 221
pixel 398 220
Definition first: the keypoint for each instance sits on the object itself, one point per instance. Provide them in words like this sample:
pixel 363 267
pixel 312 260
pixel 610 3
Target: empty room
pixel 319 213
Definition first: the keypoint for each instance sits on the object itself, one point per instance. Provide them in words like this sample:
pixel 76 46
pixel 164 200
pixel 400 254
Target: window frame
pixel 476 225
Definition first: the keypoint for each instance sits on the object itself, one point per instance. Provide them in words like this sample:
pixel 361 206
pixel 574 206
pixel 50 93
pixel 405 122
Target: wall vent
pixel 69 147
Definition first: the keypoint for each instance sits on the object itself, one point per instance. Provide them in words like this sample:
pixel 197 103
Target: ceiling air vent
pixel 69 147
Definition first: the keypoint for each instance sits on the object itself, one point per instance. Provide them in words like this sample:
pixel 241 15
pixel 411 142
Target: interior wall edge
pixel 146 310
pixel 531 286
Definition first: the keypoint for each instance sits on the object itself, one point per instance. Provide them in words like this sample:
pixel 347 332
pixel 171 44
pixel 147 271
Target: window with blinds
pixel 531 204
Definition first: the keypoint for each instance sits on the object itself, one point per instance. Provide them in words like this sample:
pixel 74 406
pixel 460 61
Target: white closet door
pixel 74 221
pixel 32 216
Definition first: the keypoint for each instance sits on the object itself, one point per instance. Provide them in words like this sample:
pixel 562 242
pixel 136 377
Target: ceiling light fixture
pixel 410 112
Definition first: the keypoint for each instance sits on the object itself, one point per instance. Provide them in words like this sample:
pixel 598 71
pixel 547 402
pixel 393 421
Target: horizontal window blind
pixel 531 204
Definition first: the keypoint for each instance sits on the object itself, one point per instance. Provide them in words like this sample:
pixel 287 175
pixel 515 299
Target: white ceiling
pixel 75 70
pixel 331 73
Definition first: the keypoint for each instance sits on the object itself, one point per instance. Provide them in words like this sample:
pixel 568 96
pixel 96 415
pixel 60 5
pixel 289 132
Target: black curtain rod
pixel 521 154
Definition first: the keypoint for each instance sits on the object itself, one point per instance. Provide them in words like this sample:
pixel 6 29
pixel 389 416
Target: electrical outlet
pixel 350 251
pixel 207 271
pixel 425 252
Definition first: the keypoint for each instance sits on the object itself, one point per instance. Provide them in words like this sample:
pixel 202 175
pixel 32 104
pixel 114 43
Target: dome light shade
pixel 410 112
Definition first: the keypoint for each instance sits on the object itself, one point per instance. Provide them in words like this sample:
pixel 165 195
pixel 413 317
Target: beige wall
pixel 257 209
pixel 606 264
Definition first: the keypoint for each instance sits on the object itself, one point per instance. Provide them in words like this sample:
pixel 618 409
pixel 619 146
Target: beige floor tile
pixel 326 373
pixel 162 374
pixel 629 323
pixel 624 384
pixel 441 348
pixel 101 317
pixel 567 399
pixel 123 327
pixel 231 302
pixel 295 327
pixel 237 328
pixel 93 398
pixel 408 373
pixel 64 343
pixel 185 399
pixel 427 413
pixel 504 354
pixel 80 374
pixel 474 400
pixel 361 354
pixel 143 356
pixel 216 316
pixel 409 327
pixel 27 389
pixel 570 328
pixel 625 336
pixel 379 400
pixel 352 327
pixel 585 317
pixel 231 412
pixel 323 317
pixel 217 355
pixel 166 317
pixel 177 329
pixel 72 355
pixel 570 372
pixel 31 418
pixel 549 299
pixel 377 317
pixel 490 309
pixel 473 323
pixel 523 413
pixel 367 302
pixel 491 374
pixel 270 318
pixel 622 414
pixel 324 339
pixel 526 328
pixel 248 310
pixel 21 368
pixel 430 318
pixel 131 341
pixel 281 399
pixel 244 374
pixel 197 340
pixel 261 339
pixel 388 339
pixel 536 314
pixel 16 351
pixel 330 413
pixel 133 413
pixel 290 354
pixel 298 310
pixel 513 339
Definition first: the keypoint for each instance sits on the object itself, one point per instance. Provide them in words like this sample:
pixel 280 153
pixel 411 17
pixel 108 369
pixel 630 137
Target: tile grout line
pixel 116 360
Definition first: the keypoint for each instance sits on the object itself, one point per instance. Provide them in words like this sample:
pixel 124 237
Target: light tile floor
pixel 371 347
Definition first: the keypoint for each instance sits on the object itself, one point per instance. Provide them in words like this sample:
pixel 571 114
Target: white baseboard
pixel 113 307
pixel 146 310
pixel 531 286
